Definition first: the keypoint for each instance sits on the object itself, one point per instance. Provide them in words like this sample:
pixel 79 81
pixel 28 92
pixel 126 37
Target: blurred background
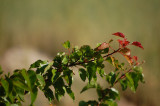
pixel 35 29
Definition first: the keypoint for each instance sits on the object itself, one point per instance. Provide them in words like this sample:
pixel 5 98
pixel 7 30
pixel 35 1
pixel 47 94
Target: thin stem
pixel 115 51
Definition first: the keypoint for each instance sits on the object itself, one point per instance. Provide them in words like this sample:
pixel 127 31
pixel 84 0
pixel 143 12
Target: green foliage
pixel 88 86
pixel 91 70
pixel 70 92
pixel 66 44
pixel 83 74
pixel 43 75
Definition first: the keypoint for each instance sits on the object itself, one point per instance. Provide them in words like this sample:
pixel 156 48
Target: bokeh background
pixel 36 29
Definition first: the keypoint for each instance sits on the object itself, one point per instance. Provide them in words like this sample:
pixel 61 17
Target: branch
pixel 115 51
pixel 122 76
pixel 79 63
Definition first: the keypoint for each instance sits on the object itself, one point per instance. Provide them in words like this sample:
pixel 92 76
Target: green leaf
pixel 48 67
pixel 82 74
pixel 56 77
pixel 99 61
pixel 107 94
pixel 18 82
pixel 75 56
pixel 10 84
pixel 37 64
pixel 8 87
pixel 58 59
pixel 68 76
pixel 138 69
pixel 65 60
pixel 135 78
pixel 141 77
pixel 114 93
pixel 103 104
pixel 70 93
pixel 85 49
pixel 5 85
pixel 88 86
pixel 59 88
pixel 101 72
pixel 111 78
pixel 32 77
pixel 49 94
pixel 95 78
pixel 26 77
pixel 34 93
pixel 53 74
pixel 92 103
pixel 91 69
pixel 87 52
pixel 66 44
pixel 83 103
pixel 1 72
pixel 130 82
pixel 2 93
pixel 123 84
pixel 59 93
pixel 99 91
pixel 98 44
pixel 110 59
pixel 104 51
pixel 109 102
pixel 41 81
pixel 20 92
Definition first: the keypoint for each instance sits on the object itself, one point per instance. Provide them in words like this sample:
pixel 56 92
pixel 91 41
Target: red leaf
pixel 138 44
pixel 102 46
pixel 119 34
pixel 120 41
pixel 135 58
pixel 125 51
pixel 123 42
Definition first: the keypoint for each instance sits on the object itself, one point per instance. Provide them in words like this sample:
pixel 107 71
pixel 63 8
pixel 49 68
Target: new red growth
pixel 126 51
pixel 123 42
pixel 119 34
pixel 138 44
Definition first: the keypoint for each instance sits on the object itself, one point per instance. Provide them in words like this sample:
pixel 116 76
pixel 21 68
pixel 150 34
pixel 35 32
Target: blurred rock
pixel 18 58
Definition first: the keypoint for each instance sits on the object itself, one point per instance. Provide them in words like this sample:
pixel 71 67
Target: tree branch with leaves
pixel 59 73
